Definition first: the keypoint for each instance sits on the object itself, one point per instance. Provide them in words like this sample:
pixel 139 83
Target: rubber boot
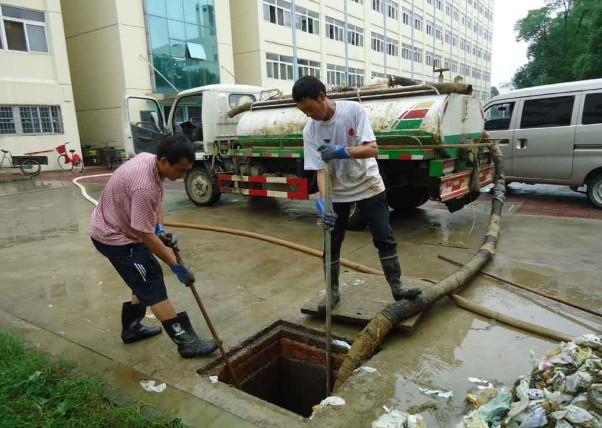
pixel 392 271
pixel 334 287
pixel 131 329
pixel 182 334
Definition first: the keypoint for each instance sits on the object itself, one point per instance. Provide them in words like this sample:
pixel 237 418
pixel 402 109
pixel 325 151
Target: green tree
pixel 494 92
pixel 564 38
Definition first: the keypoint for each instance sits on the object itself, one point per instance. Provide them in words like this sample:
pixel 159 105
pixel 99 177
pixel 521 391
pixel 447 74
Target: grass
pixel 38 392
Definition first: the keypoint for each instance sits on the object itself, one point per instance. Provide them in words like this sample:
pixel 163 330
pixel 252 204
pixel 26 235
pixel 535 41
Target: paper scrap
pixel 151 386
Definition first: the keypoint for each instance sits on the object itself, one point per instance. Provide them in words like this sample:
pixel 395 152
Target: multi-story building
pixel 350 42
pixel 36 100
pixel 121 48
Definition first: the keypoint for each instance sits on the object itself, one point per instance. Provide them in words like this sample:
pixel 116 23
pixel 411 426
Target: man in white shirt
pixel 338 133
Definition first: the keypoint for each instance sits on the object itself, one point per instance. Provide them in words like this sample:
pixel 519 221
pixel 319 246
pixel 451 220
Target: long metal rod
pixel 211 328
pixel 328 274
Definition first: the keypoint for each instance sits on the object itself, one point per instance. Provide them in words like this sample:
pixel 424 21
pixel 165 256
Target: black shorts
pixel 139 269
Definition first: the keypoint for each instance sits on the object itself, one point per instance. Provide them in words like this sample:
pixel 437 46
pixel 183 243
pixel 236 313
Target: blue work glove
pixel 168 238
pixel 328 218
pixel 184 275
pixel 331 151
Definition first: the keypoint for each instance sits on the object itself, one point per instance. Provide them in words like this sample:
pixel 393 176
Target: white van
pixel 551 134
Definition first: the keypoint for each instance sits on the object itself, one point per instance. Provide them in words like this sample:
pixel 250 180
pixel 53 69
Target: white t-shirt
pixel 353 179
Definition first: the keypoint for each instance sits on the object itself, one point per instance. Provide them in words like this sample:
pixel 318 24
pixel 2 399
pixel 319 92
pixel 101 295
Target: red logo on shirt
pixel 351 132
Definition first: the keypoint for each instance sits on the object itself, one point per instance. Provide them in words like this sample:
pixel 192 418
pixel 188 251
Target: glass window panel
pixel 177 29
pixel 192 11
pixel 7 122
pixel 193 33
pixel 36 35
pixel 30 120
pixel 156 7
pixel 46 119
pixel 175 10
pixel 177 49
pixel 15 36
pixel 497 117
pixel 21 13
pixel 592 110
pixel 159 37
pixel 270 71
pixel 196 51
pixel 57 119
pixel 547 112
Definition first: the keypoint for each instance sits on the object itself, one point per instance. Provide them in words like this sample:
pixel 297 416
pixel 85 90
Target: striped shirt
pixel 130 202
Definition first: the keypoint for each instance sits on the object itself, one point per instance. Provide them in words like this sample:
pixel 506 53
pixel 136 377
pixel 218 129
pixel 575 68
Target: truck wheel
pixel 356 219
pixel 407 198
pixel 201 187
pixel 594 191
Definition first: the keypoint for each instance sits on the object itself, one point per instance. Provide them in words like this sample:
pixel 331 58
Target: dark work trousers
pixel 375 211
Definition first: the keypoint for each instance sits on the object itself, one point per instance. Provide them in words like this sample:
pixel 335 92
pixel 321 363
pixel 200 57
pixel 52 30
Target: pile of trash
pixel 564 390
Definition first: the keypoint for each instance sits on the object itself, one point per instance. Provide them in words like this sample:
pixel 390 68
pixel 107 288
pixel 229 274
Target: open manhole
pixel 284 364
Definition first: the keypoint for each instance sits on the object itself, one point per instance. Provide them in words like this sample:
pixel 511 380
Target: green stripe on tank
pixel 409 124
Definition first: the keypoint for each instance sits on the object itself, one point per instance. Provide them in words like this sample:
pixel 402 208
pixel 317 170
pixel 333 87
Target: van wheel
pixel 594 191
pixel 201 187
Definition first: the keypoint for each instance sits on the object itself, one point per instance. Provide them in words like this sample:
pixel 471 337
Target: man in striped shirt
pixel 126 227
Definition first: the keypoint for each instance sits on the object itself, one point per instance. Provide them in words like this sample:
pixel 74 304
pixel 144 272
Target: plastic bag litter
pixel 365 369
pixel 563 390
pixel 333 401
pixel 439 393
pixel 397 419
pixel 213 379
pixel 493 413
pixel 341 344
pixel 152 386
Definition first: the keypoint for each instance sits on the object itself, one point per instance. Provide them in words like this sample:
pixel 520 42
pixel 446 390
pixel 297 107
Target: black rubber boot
pixel 392 271
pixel 131 329
pixel 334 287
pixel 182 334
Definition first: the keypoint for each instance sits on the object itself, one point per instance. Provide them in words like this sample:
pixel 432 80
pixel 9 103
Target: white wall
pixel 40 79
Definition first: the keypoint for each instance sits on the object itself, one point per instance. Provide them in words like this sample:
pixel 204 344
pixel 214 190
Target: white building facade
pixel 36 99
pixel 350 42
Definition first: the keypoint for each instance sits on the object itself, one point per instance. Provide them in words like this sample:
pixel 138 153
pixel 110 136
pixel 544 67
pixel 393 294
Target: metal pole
pixel 294 31
pixel 346 43
pixel 328 273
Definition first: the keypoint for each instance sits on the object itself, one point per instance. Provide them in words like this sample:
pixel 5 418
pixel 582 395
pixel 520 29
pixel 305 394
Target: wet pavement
pixel 66 298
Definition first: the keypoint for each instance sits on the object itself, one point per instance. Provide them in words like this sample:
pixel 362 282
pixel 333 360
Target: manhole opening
pixel 284 364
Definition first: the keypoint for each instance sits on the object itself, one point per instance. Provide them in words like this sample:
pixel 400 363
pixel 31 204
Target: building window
pixel 31 120
pixel 453 66
pixel 468 47
pixel 439 4
pixel 378 42
pixel 355 35
pixel 406 16
pixel 336 76
pixel 429 59
pixel 277 12
pixel 7 120
pixel 378 5
pixel 418 22
pixel 392 10
pixel 392 47
pixel 377 75
pixel 279 66
pixel 448 9
pixel 447 37
pixel 358 1
pixel 406 51
pixel 334 28
pixel 438 33
pixel 306 67
pixel 456 14
pixel 307 21
pixel 437 61
pixel 24 29
pixel 429 28
pixel 454 40
pixel 417 54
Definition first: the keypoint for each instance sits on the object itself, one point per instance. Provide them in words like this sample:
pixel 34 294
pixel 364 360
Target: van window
pixel 497 116
pixel 547 112
pixel 236 100
pixel 592 110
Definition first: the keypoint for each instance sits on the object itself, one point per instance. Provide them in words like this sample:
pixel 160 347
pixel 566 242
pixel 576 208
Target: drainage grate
pixel 283 364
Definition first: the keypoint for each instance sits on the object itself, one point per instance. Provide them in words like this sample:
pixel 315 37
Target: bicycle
pixel 27 165
pixel 66 162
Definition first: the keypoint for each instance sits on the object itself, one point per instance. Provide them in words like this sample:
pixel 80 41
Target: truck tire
pixel 407 198
pixel 356 219
pixel 201 187
pixel 594 190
